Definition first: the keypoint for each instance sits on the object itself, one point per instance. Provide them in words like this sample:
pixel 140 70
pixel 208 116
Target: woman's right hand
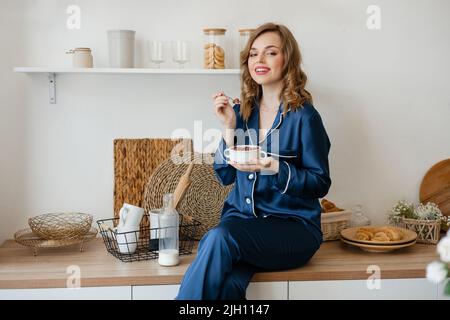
pixel 224 111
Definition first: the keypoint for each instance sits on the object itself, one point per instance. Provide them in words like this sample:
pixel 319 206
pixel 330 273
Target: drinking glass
pixel 157 52
pixel 181 52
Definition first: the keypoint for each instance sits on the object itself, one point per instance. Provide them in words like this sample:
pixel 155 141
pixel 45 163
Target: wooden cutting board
pixel 435 186
pixel 134 162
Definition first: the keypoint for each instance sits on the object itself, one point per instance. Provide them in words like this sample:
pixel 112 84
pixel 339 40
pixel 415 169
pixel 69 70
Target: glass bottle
pixel 358 217
pixel 214 48
pixel 168 237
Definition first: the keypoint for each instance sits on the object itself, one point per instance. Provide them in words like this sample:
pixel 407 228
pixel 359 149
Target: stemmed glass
pixel 157 52
pixel 181 52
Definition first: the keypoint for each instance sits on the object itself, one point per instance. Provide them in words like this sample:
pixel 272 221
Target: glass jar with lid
pixel 214 48
pixel 358 217
pixel 244 35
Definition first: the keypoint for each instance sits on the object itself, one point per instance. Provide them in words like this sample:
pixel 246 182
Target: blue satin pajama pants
pixel 230 253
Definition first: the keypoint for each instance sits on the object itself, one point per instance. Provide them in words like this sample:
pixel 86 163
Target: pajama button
pixel 251 176
pixel 248 200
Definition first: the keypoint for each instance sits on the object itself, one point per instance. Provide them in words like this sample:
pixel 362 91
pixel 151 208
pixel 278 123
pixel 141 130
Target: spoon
pixel 234 100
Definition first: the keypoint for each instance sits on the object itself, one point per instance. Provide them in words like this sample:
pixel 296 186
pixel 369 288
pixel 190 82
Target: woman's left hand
pixel 268 165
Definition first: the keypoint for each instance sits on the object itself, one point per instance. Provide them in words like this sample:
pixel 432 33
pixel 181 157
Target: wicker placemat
pixel 134 162
pixel 203 200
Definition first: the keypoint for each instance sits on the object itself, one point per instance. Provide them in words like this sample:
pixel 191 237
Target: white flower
pixel 436 272
pixel 428 211
pixel 443 248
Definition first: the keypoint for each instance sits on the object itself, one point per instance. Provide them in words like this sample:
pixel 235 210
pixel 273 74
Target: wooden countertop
pixel 334 261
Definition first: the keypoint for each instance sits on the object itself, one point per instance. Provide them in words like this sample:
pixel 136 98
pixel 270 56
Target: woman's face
pixel 266 59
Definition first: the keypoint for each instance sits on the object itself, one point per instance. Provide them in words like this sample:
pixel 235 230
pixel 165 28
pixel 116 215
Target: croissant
pixel 329 206
pixel 394 235
pixel 381 236
pixel 362 236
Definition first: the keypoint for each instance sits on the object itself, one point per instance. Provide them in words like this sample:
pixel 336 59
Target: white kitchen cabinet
pixel 255 291
pixel 420 289
pixel 389 289
pixel 267 290
pixel 84 293
pixel 155 292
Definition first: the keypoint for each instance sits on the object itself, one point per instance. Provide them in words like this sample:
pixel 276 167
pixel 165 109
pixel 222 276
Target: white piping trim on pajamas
pixel 253 200
pixel 280 155
pixel 289 177
pixel 271 130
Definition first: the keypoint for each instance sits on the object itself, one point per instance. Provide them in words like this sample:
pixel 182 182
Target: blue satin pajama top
pixel 299 141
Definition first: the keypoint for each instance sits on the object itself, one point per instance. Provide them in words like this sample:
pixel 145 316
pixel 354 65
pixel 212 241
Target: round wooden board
pixel 435 186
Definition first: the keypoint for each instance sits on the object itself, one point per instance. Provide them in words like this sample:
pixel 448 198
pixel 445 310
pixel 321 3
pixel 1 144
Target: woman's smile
pixel 261 70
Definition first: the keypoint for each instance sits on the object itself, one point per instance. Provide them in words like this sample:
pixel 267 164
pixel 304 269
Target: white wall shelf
pixel 52 72
pixel 124 70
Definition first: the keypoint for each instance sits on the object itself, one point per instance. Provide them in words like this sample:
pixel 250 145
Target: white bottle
pixel 168 238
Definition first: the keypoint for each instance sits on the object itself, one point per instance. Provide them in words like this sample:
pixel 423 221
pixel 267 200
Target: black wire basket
pixel 142 244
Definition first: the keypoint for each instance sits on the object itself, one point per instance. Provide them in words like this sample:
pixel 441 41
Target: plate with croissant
pixel 383 235
pixel 379 247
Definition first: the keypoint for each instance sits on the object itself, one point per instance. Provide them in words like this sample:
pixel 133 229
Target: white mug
pixel 130 216
pixel 244 153
pixel 127 239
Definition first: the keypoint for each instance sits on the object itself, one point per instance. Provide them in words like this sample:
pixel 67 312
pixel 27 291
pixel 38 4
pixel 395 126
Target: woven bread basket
pixel 332 223
pixel 203 200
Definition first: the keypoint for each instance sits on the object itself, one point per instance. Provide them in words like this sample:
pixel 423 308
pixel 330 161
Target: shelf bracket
pixel 52 87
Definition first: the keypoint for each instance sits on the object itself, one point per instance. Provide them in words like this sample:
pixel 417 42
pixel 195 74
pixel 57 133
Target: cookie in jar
pixel 214 48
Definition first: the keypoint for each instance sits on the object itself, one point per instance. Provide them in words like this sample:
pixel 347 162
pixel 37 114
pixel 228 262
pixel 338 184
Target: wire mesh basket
pixel 142 244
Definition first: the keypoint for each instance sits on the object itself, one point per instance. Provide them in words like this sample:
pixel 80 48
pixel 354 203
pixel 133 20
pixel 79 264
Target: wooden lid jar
pixel 244 35
pixel 214 48
pixel 82 57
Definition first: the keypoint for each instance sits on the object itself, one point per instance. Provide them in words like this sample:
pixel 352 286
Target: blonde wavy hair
pixel 293 94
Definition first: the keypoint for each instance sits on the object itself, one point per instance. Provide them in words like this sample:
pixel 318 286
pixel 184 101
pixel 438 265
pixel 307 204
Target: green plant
pixel 429 211
pixel 402 209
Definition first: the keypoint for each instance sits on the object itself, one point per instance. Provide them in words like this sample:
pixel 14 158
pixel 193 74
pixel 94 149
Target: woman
pixel 271 218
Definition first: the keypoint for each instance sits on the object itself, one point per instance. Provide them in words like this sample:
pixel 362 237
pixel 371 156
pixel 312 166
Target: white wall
pixel 384 95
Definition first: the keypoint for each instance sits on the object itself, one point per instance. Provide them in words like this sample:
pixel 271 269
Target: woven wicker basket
pixel 332 223
pixel 428 231
pixel 203 200
pixel 62 225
